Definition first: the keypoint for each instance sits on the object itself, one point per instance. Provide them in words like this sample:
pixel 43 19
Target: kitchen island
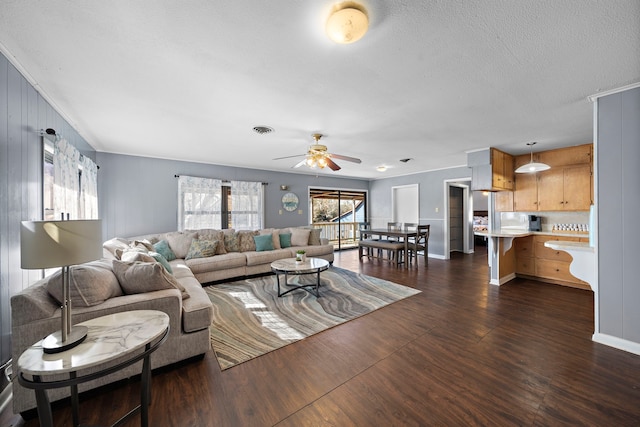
pixel 517 252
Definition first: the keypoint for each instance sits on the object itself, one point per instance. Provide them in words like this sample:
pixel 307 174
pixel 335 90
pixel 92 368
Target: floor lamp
pixel 48 244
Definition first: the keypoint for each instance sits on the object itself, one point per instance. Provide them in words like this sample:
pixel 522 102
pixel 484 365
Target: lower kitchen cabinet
pixel 536 261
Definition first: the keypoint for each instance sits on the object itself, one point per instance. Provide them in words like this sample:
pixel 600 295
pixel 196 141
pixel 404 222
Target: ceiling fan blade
pixel 347 158
pixel 288 157
pixel 332 165
pixel 301 163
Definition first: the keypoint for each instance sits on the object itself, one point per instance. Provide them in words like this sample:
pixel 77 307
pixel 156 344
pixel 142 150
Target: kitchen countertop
pixel 518 232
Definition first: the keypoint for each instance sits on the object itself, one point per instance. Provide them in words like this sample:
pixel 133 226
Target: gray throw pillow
pixel 141 277
pixel 91 284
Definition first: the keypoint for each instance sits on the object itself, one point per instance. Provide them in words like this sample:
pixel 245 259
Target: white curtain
pixel 88 189
pixel 66 160
pixel 199 203
pixel 247 205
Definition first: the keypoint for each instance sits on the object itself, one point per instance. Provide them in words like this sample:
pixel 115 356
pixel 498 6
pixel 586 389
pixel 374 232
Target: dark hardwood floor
pixel 462 352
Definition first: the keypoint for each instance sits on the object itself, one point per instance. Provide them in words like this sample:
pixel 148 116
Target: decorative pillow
pixel 275 236
pixel 161 260
pixel 142 244
pixel 232 242
pixel 211 234
pixel 162 247
pixel 247 244
pixel 140 277
pixel 131 255
pixel 91 284
pixel 314 237
pixel 202 249
pixel 285 240
pixel 264 242
pixel 115 243
pixel 180 242
pixel 300 236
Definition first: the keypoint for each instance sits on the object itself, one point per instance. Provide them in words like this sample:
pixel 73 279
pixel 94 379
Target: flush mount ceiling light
pixel 381 168
pixel 347 23
pixel 532 167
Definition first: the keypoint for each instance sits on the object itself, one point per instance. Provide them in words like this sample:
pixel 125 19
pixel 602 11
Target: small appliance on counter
pixel 535 223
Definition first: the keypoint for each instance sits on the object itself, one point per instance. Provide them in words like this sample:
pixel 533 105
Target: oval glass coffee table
pixel 289 266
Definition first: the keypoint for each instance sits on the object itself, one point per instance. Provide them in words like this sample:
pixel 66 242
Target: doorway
pixel 458 221
pixel 337 213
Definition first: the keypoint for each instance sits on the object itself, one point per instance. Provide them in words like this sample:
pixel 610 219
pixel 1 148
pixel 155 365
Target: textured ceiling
pixel 431 80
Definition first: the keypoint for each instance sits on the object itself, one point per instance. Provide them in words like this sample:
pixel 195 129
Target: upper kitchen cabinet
pixel 491 170
pixel 567 186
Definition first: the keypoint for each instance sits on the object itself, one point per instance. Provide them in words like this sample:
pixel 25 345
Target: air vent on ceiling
pixel 406 160
pixel 262 129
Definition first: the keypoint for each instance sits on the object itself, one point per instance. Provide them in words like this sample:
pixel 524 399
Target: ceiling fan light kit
pixel 318 156
pixel 348 23
pixel 532 167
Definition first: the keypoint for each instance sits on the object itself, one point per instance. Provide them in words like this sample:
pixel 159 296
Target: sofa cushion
pixel 313 250
pixel 285 240
pixel 218 262
pixel 134 254
pixel 212 234
pixel 197 311
pixel 264 242
pixel 314 236
pixel 116 243
pixel 267 257
pixel 300 236
pixel 202 249
pixel 180 242
pixel 246 242
pixel 162 247
pixel 141 277
pixel 90 284
pixel 162 260
pixel 232 242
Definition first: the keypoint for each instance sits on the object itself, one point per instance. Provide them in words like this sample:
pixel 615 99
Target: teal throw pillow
pixel 285 240
pixel 162 260
pixel 162 247
pixel 264 242
pixel 202 249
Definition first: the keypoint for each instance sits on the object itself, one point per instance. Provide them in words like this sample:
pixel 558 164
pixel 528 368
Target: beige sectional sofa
pixel 130 278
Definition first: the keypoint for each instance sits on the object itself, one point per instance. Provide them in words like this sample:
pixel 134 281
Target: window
pixel 70 186
pixel 210 203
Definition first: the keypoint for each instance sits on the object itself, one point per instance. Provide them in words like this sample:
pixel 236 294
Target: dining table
pixel 403 236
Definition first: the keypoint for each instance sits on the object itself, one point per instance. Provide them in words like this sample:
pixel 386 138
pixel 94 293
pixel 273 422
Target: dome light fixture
pixel 532 167
pixel 347 24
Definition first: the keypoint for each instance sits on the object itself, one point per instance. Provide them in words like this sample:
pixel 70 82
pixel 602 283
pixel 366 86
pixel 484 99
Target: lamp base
pixel 54 344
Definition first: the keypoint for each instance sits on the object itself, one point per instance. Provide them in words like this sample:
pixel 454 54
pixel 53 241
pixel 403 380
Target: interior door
pixel 456 219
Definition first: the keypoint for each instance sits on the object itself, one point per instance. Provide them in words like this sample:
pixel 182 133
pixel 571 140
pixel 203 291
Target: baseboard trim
pixel 619 343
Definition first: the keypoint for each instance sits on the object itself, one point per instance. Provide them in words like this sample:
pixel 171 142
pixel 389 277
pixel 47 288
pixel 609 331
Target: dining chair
pixel 421 243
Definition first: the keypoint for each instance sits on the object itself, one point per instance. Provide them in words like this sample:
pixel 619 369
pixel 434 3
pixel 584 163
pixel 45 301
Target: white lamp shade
pixel 47 244
pixel 533 167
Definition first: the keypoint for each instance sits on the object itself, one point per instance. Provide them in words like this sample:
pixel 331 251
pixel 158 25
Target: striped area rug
pixel 249 319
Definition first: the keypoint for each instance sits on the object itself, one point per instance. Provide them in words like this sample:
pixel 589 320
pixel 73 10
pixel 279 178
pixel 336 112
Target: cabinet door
pixel 577 188
pixel 525 196
pixel 580 154
pixel 497 168
pixel 509 181
pixel 504 201
pixel 551 190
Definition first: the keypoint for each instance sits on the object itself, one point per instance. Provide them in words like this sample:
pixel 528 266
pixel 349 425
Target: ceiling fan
pixel 318 156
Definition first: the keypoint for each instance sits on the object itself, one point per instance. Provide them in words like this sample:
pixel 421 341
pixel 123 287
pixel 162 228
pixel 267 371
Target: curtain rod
pixel 206 177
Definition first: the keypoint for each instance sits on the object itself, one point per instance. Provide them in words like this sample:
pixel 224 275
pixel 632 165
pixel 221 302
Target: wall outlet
pixel 299 211
pixel 437 210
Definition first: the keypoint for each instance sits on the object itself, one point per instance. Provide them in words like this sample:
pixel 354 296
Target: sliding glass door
pixel 337 213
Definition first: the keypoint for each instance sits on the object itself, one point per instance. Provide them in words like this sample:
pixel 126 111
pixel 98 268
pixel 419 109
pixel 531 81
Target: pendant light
pixel 532 167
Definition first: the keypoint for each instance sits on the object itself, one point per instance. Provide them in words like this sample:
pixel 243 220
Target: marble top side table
pixel 130 334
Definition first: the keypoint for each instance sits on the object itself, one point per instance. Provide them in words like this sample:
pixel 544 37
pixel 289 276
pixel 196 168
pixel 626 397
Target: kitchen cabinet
pixel 491 170
pixel 503 201
pixel 535 260
pixel 502 170
pixel 564 187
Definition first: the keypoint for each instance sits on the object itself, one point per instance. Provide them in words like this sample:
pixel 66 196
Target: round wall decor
pixel 290 202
